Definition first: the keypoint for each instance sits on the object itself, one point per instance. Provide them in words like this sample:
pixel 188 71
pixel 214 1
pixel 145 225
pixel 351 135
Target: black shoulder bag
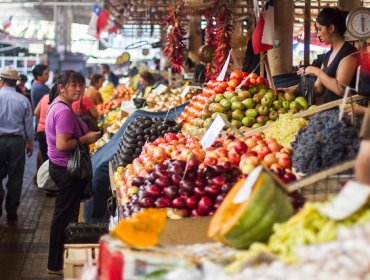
pixel 79 166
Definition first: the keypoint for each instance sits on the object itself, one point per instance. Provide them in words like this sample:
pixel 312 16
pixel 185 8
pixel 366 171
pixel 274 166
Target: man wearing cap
pixel 16 137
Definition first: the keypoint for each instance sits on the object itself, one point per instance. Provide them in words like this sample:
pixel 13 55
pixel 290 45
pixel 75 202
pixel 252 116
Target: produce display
pixel 239 223
pixel 106 91
pixel 325 142
pixel 120 93
pixel 141 229
pixel 307 227
pixel 346 258
pixel 182 185
pixel 141 130
pixel 285 128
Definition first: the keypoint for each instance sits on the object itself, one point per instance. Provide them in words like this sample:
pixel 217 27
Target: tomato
pixel 245 74
pixel 260 80
pixel 233 83
pixel 223 84
pixel 253 76
pixel 219 89
pixel 230 89
pixel 236 74
pixel 253 81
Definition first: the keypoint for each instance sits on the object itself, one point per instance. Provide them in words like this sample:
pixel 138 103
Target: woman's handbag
pixel 44 181
pixel 79 165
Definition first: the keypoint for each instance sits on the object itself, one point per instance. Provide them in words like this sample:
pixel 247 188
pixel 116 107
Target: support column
pixel 281 59
pixel 63 18
pixel 349 5
pixel 195 38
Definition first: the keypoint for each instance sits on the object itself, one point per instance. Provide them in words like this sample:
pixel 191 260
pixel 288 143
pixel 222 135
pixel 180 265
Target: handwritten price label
pixel 160 89
pixel 212 132
pixel 351 198
pixel 246 190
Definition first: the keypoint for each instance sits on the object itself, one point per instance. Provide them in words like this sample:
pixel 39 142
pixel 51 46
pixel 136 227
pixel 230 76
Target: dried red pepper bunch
pixel 175 42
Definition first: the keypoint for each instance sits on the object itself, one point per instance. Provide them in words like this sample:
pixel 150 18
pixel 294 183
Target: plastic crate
pixel 81 233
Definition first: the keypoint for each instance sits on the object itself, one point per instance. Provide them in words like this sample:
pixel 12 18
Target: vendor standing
pixel 340 63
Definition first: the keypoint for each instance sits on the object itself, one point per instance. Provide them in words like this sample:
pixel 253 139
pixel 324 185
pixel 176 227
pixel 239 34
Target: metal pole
pixel 307 32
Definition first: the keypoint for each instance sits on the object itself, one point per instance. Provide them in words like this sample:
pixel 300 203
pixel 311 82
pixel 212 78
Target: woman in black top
pixel 339 65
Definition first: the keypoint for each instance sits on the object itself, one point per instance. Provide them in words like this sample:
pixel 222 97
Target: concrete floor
pixel 24 244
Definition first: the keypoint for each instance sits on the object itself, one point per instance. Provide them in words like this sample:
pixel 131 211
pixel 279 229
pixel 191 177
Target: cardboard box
pixel 186 231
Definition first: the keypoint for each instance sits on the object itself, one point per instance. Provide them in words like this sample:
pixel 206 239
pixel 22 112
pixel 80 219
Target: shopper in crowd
pixel 63 134
pixel 39 88
pixel 40 113
pixel 339 64
pixel 92 92
pixel 21 86
pixel 86 110
pixel 146 82
pixel 16 137
pixel 134 77
pixel 108 74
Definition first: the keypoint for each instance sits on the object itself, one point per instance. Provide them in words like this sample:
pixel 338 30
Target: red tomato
pixel 230 89
pixel 219 89
pixel 253 81
pixel 223 85
pixel 253 76
pixel 260 80
pixel 233 83
pixel 245 74
pixel 236 74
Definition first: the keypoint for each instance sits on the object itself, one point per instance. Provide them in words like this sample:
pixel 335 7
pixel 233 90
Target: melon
pixel 239 224
pixel 142 229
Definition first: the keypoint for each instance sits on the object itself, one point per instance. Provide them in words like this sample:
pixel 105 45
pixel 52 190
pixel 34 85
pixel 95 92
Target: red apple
pixel 168 137
pixel 159 155
pixel 240 147
pixel 179 202
pixel 285 162
pixel 251 143
pixel 192 202
pixel 210 161
pixel 149 165
pixel 270 159
pixel 274 147
pixel 163 202
pixel 199 153
pixel 234 157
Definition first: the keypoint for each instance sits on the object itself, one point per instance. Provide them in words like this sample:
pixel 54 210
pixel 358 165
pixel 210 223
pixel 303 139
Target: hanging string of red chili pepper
pixel 175 47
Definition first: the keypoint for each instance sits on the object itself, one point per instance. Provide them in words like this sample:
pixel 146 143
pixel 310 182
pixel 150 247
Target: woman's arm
pixel 94 113
pixel 37 110
pixel 344 76
pixel 65 142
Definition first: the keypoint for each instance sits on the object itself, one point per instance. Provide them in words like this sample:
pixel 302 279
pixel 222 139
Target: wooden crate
pixel 76 256
pixel 325 184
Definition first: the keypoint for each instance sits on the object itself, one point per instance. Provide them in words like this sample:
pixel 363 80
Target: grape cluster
pixel 325 142
pixel 141 130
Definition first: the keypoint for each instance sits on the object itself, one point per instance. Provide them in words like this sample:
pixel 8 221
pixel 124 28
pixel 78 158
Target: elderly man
pixel 16 137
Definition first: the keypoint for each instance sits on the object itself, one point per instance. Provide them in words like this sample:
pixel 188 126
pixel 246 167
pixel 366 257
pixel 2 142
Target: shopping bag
pixel 79 165
pixel 44 181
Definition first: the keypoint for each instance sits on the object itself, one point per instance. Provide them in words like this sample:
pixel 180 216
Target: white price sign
pixel 351 198
pixel 246 190
pixel 222 74
pixel 160 89
pixel 186 90
pixel 212 132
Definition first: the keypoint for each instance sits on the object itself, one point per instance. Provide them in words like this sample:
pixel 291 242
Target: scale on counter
pixel 358 23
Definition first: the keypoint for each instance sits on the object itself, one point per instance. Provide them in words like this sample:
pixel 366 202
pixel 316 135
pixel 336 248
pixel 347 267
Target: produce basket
pixel 325 184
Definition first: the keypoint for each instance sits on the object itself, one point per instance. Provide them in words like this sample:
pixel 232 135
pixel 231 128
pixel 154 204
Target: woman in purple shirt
pixel 62 134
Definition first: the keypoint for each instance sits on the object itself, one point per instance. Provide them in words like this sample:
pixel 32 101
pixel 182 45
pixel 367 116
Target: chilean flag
pixel 98 21
pixel 6 23
pixel 113 26
pixel 263 37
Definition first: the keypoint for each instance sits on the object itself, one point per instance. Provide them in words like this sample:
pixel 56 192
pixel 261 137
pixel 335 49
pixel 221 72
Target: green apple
pixel 281 111
pixel 266 101
pixel 214 115
pixel 277 104
pixel 237 115
pixel 263 110
pixel 273 115
pixel 237 105
pixel 226 103
pixel 262 91
pixel 219 97
pixel 253 90
pixel 257 97
pixel 207 122
pixel 198 122
pixel 216 107
pixel 312 106
pixel 248 121
pixel 286 104
pixel 256 125
pixel 289 96
pixel 294 105
pixel 272 96
pixel 229 94
pixel 244 94
pixel 249 103
pixel 234 98
pixel 236 123
pixel 302 101
pixel 251 113
pixel 269 122
pixel 293 111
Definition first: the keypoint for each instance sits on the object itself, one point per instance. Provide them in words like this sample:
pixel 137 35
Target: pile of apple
pixel 183 186
pixel 250 152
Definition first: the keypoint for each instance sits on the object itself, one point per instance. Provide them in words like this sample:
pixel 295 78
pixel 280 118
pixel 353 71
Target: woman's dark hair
pixel 333 16
pixel 23 78
pixel 95 78
pixel 38 70
pixel 148 77
pixel 65 78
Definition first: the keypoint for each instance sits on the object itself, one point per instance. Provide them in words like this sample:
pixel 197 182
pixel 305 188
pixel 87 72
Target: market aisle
pixel 24 243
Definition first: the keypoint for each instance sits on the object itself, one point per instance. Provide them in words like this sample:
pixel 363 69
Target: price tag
pixel 212 132
pixel 185 92
pixel 246 190
pixel 125 104
pixel 351 198
pixel 160 89
pixel 222 74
